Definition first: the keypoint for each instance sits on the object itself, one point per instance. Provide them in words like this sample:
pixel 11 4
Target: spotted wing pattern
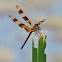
pixel 39 23
pixel 23 15
pixel 20 24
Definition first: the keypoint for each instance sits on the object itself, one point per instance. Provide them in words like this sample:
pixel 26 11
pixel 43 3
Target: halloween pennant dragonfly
pixel 25 27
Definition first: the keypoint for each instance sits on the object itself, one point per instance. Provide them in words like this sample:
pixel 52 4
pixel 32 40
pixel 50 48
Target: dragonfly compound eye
pixel 38 27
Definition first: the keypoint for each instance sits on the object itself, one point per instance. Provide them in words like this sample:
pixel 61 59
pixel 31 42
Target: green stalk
pixel 38 54
pixel 41 47
pixel 34 52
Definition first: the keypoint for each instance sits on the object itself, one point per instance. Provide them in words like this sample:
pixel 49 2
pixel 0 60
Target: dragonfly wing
pixel 23 15
pixel 26 39
pixel 39 22
pixel 20 24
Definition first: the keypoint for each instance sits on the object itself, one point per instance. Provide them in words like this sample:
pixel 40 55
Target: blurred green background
pixel 12 36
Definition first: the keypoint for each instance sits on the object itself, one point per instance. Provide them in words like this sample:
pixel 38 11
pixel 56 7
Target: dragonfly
pixel 34 28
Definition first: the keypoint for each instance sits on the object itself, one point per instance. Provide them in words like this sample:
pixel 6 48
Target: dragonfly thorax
pixel 34 29
pixel 37 28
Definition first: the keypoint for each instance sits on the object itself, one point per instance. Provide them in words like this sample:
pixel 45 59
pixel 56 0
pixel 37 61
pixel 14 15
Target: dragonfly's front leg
pixel 37 34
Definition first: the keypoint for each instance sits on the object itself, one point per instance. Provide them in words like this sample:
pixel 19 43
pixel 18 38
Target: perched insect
pixel 34 28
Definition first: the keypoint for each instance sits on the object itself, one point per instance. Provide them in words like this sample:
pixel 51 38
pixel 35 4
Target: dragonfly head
pixel 38 28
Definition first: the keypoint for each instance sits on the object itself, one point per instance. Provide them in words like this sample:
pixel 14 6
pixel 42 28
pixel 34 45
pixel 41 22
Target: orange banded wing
pixel 20 24
pixel 23 15
pixel 26 39
pixel 39 23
